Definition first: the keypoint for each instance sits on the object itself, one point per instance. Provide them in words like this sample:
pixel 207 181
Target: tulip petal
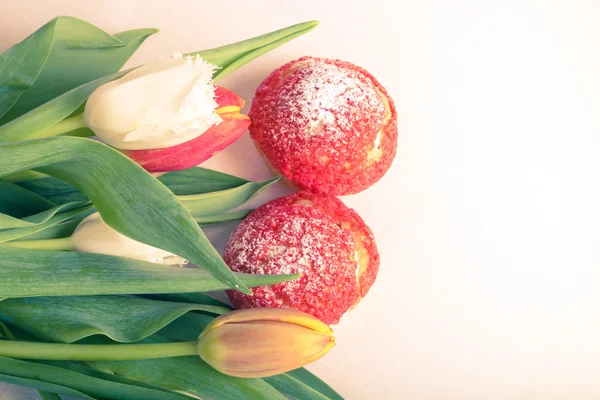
pixel 289 315
pixel 195 151
pixel 228 100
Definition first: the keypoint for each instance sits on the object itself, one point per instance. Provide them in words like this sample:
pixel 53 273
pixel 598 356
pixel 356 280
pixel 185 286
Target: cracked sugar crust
pixel 328 126
pixel 315 235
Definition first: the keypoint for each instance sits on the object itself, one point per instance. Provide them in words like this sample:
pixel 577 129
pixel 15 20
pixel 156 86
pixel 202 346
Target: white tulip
pixel 93 235
pixel 161 104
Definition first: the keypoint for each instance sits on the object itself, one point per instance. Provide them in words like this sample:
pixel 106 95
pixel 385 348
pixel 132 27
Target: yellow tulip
pixel 261 342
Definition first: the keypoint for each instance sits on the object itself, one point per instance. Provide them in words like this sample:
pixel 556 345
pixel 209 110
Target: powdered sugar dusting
pixel 324 99
pixel 290 235
pixel 318 121
pixel 285 239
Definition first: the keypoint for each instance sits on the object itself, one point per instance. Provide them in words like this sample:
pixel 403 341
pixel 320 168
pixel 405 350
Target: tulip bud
pixel 261 342
pixel 158 105
pixel 93 235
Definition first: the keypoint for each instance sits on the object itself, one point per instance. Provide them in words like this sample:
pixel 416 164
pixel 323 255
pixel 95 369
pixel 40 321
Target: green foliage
pixel 64 381
pixel 228 58
pixel 120 318
pixel 32 273
pixel 63 54
pixel 130 200
pixel 64 296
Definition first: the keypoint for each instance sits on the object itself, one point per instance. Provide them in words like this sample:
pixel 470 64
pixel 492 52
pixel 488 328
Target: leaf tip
pixel 312 24
pixel 273 180
pixel 244 290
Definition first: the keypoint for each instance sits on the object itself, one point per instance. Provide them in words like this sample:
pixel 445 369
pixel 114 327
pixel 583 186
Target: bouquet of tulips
pixel 94 302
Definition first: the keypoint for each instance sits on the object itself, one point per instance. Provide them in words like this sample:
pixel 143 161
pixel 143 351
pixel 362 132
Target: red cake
pixel 327 126
pixel 315 235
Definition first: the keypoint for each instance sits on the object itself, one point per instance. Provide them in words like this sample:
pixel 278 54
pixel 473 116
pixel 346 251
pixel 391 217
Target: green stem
pixel 95 352
pixel 42 244
pixel 64 126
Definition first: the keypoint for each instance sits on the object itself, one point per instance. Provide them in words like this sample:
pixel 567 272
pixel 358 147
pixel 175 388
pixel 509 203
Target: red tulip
pixel 203 147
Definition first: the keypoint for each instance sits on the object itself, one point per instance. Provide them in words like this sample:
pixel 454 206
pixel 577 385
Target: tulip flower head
pixel 167 115
pixel 158 105
pixel 261 342
pixel 93 235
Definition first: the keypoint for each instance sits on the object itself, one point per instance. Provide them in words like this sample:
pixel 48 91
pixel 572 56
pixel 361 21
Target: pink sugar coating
pixel 316 121
pixel 303 233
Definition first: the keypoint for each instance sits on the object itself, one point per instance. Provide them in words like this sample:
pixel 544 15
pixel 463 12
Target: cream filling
pixel 375 153
pixel 357 259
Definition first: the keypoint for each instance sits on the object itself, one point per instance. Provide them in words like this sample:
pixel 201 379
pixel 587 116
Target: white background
pixel 488 221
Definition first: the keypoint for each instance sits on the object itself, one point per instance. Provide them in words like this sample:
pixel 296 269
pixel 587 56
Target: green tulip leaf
pixel 34 381
pixel 130 200
pixel 205 204
pixel 71 383
pixel 224 217
pixel 39 194
pixel 53 225
pixel 64 224
pixel 21 208
pixel 207 193
pixel 48 395
pixel 195 298
pixel 9 222
pixel 53 189
pixel 120 318
pixel 33 273
pixel 23 176
pixel 70 366
pixel 233 56
pixel 190 375
pixel 71 369
pixel 193 180
pixel 311 380
pixel 23 198
pixel 21 64
pixel 199 180
pixel 294 388
pixel 186 374
pixel 58 230
pixel 64 53
pixel 34 124
pixel 47 319
pixel 18 202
